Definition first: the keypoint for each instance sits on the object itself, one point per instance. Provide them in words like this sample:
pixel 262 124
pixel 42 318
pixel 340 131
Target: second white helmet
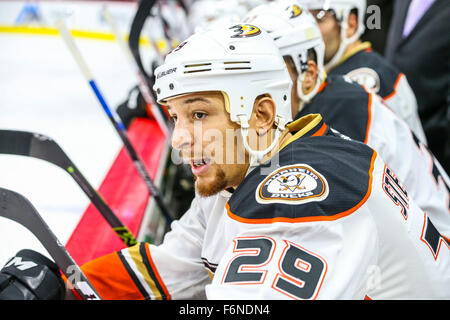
pixel 295 32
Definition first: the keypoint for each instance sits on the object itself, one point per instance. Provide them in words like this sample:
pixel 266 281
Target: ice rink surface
pixel 43 91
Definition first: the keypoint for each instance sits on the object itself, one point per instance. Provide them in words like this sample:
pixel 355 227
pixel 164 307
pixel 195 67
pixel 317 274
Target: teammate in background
pixel 208 13
pixel 350 109
pixel 284 210
pixel 342 23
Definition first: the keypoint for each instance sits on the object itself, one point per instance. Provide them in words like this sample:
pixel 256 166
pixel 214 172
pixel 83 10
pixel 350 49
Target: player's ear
pixel 352 24
pixel 264 111
pixel 310 77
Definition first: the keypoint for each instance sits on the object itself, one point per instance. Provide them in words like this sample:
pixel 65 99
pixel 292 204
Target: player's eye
pixel 173 118
pixel 199 115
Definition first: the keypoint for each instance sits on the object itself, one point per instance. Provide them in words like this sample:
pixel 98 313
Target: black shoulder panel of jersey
pixel 387 73
pixel 344 106
pixel 318 178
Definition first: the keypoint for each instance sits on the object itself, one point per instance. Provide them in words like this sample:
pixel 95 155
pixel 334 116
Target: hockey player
pixel 350 109
pixel 342 23
pixel 306 214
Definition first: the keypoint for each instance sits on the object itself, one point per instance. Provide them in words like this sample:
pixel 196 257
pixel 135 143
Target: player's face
pixel 202 130
pixel 331 31
pixel 295 100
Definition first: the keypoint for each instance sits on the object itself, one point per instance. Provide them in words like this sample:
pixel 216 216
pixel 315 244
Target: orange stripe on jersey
pixel 301 127
pixel 110 278
pixel 447 239
pixel 311 218
pixel 322 86
pixel 138 268
pixel 321 131
pixel 142 270
pixel 165 292
pixel 395 87
pixel 369 117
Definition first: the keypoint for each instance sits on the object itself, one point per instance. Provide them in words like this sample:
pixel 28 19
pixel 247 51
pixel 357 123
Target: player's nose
pixel 181 138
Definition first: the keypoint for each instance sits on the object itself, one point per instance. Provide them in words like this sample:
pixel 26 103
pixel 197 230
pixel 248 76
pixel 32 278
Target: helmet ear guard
pixel 256 156
pixel 321 75
pixel 307 97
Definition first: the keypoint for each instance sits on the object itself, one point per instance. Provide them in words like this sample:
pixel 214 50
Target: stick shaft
pixel 143 87
pixel 120 128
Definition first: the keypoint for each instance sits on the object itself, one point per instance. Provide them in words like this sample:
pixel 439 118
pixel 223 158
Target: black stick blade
pixel 16 207
pixel 42 147
pixel 36 145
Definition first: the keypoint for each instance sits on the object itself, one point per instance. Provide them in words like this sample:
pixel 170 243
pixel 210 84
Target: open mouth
pixel 200 166
pixel 200 162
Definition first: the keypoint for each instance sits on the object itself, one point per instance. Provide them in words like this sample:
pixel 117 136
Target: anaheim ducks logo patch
pixel 295 11
pixel 365 77
pixel 292 185
pixel 245 30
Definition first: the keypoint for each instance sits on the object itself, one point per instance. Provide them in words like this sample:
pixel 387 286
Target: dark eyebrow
pixel 191 100
pixel 196 99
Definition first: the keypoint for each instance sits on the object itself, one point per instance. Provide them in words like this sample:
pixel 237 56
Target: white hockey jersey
pixel 363 116
pixel 371 70
pixel 332 221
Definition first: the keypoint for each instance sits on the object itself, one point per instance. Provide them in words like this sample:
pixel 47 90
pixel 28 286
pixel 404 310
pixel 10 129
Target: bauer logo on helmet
pixel 165 72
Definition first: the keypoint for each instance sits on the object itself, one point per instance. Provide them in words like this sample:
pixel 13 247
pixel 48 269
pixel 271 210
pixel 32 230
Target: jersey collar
pixel 361 47
pixel 308 126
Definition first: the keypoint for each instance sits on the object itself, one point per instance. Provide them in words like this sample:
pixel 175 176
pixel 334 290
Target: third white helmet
pixel 342 10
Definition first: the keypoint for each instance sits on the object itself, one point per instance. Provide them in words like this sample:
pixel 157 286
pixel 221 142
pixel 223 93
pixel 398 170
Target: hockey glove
pixel 31 276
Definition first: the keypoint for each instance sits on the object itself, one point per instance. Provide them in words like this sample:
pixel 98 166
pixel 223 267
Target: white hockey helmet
pixel 342 10
pixel 242 62
pixel 295 32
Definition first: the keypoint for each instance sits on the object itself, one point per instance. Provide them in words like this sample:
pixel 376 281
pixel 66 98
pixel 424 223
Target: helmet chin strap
pixel 343 45
pixel 256 156
pixel 306 98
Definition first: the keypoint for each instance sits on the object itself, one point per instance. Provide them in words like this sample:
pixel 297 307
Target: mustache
pixel 188 155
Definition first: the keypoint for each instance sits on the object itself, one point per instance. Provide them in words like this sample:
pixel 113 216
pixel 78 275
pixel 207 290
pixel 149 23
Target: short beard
pixel 219 183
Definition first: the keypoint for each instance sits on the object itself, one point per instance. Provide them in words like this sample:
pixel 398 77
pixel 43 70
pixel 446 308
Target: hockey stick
pixel 143 11
pixel 118 125
pixel 142 82
pixel 16 207
pixel 35 145
pixel 166 27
